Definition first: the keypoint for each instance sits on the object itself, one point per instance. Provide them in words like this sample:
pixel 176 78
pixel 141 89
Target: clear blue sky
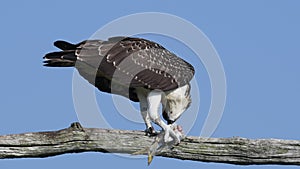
pixel 257 41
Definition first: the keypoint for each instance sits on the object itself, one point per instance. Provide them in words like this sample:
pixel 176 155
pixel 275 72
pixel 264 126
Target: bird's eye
pixel 171 112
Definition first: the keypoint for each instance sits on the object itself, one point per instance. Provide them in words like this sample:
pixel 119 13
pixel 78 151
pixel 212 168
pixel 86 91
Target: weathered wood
pixel 76 139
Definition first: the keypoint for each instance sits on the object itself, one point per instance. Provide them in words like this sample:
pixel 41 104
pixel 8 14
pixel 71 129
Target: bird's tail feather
pixel 63 45
pixel 64 58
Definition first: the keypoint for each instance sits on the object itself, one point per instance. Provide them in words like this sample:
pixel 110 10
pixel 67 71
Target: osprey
pixel 136 68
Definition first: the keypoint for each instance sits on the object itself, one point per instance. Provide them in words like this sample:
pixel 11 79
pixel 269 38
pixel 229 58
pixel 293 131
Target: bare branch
pixel 76 139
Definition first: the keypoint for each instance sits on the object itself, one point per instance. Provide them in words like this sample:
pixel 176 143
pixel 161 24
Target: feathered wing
pixel 137 62
pixel 125 63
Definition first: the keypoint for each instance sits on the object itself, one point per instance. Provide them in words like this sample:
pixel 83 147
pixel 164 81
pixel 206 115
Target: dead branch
pixel 76 139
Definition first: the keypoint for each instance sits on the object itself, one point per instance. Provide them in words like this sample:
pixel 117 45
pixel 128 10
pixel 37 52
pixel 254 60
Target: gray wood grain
pixel 76 139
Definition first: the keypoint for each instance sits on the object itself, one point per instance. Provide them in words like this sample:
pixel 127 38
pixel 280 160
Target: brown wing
pixel 136 62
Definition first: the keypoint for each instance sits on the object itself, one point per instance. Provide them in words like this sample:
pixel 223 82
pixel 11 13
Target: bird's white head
pixel 175 103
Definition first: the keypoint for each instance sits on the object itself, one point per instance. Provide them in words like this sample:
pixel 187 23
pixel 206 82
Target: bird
pixel 136 68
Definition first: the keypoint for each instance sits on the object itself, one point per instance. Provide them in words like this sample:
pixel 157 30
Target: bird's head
pixel 176 102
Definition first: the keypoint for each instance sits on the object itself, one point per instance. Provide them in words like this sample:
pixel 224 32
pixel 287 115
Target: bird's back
pixel 122 64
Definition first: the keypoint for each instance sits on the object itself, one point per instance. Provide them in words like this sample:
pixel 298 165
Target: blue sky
pixel 257 41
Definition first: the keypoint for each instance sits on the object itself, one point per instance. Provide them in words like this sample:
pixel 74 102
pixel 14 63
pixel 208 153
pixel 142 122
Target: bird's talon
pixel 150 132
pixel 173 134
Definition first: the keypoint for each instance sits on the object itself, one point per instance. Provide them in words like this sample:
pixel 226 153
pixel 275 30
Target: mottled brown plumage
pixel 130 62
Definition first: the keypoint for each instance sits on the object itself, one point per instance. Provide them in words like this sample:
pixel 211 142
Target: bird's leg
pixel 171 134
pixel 144 111
pixel 178 132
pixel 149 128
pixel 159 144
pixel 154 100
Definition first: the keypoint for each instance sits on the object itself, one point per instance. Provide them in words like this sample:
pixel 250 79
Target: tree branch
pixel 76 139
